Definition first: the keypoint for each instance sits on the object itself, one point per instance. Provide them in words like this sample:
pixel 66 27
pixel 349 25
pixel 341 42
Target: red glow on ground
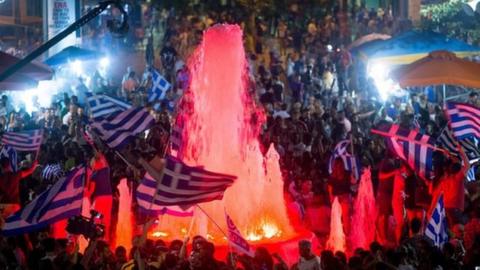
pixel 222 124
pixel 336 239
pixel 365 214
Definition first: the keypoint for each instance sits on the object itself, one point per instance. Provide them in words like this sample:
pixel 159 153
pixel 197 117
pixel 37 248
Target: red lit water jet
pixel 336 239
pixel 221 126
pixel 365 214
pixel 124 224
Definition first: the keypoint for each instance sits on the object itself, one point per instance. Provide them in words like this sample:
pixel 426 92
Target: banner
pixel 60 14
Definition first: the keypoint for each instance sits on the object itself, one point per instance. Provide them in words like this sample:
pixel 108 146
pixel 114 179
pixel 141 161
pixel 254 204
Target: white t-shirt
pixel 66 118
pixel 312 264
pixel 347 124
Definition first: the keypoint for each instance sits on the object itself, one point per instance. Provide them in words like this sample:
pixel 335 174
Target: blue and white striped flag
pixel 176 136
pixel 437 225
pixel 145 200
pixel 449 143
pixel 472 174
pixel 351 163
pixel 413 147
pixel 159 87
pixel 235 238
pixel 117 130
pixel 416 121
pixel 61 201
pixel 10 154
pixel 52 172
pixel 464 120
pixel 103 105
pixel 24 141
pixel 182 185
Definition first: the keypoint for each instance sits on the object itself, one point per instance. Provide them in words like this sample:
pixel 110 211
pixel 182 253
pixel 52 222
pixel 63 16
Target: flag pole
pixel 192 221
pixel 219 228
pixel 159 175
pixel 124 159
pixel 215 223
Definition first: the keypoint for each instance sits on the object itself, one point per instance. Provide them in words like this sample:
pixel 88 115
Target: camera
pixel 87 227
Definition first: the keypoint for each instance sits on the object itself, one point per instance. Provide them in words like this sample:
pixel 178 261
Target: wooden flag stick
pixel 215 223
pixel 192 221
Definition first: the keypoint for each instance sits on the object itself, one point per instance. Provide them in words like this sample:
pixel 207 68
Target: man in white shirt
pixel 67 119
pixel 308 260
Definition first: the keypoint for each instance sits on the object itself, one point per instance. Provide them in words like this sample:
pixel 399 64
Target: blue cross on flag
pixel 159 87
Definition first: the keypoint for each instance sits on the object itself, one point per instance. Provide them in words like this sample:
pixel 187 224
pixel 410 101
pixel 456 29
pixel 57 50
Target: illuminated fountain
pixel 222 124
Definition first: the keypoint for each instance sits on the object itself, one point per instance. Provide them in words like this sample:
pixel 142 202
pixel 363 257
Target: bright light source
pixel 76 67
pixel 386 87
pixel 32 98
pixel 104 62
pixel 329 48
pixel 159 234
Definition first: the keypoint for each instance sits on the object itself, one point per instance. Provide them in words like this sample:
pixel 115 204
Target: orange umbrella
pixel 439 68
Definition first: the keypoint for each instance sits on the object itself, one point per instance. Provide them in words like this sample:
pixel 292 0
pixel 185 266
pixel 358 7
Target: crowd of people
pixel 314 94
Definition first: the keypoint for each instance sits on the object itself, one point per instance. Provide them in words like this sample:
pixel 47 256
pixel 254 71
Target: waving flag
pixel 117 130
pixel 176 136
pixel 235 238
pixel 469 146
pixel 182 185
pixel 103 105
pixel 159 87
pixel 52 172
pixel 471 174
pixel 437 225
pixel 146 203
pixel 61 201
pixel 10 154
pixel 413 147
pixel 351 163
pixel 464 120
pixel 25 141
pixel 449 143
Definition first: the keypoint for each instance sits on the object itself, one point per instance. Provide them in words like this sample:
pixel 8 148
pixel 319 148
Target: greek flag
pixel 159 87
pixel 437 225
pixel 416 122
pixel 10 154
pixel 464 120
pixel 147 204
pixel 25 141
pixel 103 105
pixel 176 136
pixel 413 147
pixel 52 172
pixel 117 130
pixel 471 174
pixel 448 142
pixel 235 238
pixel 61 201
pixel 351 163
pixel 182 185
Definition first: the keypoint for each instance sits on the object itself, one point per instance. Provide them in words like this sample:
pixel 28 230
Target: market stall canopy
pixel 438 68
pixel 413 45
pixel 25 78
pixel 368 38
pixel 72 53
